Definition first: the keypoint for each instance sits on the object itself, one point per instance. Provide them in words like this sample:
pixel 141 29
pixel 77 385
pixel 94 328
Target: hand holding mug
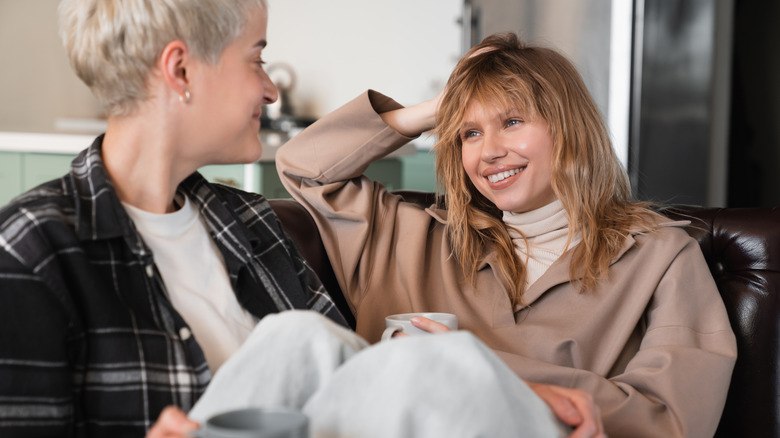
pixel 256 423
pixel 419 323
pixel 172 422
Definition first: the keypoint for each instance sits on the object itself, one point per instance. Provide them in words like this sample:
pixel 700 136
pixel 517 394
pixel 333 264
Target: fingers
pixel 482 50
pixel 172 422
pixel 429 325
pixel 574 407
pixel 591 426
pixel 413 120
pixel 562 407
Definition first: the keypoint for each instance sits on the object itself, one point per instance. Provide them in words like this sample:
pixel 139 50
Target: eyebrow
pixel 512 111
pixel 467 125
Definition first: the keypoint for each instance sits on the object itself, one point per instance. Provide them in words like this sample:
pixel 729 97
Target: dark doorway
pixel 754 139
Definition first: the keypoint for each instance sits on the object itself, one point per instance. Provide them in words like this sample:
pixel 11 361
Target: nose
pixel 492 147
pixel 270 93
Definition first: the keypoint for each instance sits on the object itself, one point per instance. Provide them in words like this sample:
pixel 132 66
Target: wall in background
pixel 339 48
pixel 594 34
pixel 37 85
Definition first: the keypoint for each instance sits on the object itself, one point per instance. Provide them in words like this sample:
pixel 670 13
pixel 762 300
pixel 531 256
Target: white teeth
pixel 502 175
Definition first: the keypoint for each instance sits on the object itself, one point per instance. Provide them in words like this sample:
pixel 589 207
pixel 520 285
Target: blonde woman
pixel 536 244
pixel 127 283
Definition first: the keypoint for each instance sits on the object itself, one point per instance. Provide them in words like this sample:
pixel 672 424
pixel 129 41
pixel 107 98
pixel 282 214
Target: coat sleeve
pixel 675 385
pixel 36 378
pixel 322 168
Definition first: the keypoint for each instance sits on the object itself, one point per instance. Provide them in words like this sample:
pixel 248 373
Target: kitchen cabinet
pixel 39 168
pixel 27 160
pixel 21 171
pixel 418 171
pixel 258 177
pixel 228 174
pixel 10 175
pixel 408 172
pixel 265 179
pixel 388 171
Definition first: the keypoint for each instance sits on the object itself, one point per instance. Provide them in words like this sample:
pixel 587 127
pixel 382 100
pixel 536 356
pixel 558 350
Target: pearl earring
pixel 186 97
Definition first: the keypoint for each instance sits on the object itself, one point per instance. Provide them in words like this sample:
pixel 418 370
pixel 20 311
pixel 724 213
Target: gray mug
pixel 255 423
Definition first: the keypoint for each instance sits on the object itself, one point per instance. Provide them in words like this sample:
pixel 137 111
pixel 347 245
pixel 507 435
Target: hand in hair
pixel 414 120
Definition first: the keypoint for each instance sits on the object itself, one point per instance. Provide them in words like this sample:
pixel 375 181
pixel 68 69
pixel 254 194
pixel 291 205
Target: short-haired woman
pixel 127 283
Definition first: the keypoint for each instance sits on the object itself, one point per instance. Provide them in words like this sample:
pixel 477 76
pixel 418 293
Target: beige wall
pixel 339 48
pixel 37 85
pixel 360 45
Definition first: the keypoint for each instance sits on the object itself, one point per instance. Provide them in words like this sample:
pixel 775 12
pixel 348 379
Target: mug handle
pixel 390 331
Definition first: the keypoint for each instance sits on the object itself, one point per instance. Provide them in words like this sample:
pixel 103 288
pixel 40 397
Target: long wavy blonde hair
pixel 587 176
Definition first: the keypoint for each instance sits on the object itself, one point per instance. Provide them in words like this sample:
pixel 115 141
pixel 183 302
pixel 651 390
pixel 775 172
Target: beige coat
pixel 653 344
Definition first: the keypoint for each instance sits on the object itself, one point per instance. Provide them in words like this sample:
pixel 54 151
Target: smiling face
pixel 229 97
pixel 508 157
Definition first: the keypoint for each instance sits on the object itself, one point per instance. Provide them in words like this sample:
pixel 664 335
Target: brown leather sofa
pixel 742 247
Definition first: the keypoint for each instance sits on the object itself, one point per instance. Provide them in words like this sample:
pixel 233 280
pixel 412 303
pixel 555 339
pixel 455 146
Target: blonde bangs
pixel 483 83
pixel 586 176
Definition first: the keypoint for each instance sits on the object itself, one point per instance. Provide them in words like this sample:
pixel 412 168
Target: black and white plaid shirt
pixel 89 343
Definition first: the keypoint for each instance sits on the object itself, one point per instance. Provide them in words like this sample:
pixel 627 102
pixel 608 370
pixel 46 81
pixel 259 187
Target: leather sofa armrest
pixel 300 226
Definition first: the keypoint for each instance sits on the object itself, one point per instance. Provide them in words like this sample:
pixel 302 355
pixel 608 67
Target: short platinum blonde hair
pixel 113 45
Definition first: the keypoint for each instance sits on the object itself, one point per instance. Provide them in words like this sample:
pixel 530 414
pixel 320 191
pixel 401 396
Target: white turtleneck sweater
pixel 546 231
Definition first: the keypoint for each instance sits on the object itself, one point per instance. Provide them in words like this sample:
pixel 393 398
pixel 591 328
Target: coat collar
pixel 558 273
pixel 438 214
pixel 226 228
pixel 100 214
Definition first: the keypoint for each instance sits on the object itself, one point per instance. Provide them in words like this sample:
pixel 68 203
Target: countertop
pixel 44 143
pixel 72 144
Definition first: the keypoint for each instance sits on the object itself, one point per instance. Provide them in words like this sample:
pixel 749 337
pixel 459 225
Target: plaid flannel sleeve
pixel 36 393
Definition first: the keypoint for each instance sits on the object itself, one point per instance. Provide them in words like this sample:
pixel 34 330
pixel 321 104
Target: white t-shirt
pixel 196 279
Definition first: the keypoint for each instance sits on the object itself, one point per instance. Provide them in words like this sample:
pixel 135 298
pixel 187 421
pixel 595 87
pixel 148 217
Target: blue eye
pixel 469 134
pixel 512 122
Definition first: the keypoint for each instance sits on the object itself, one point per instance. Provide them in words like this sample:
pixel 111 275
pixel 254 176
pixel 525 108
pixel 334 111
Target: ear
pixel 174 61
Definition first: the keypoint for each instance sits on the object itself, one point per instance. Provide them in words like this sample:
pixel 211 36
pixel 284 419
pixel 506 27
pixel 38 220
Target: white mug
pixel 402 323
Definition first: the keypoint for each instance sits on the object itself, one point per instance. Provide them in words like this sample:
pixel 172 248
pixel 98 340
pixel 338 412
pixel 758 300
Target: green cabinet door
pixel 269 183
pixel 39 168
pixel 264 178
pixel 419 171
pixel 22 171
pixel 386 171
pixel 10 176
pixel 227 174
